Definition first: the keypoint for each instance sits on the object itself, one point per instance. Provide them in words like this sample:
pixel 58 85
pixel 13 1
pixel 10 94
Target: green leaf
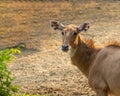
pixel 6 87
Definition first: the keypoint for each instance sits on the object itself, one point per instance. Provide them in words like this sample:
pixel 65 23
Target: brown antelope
pixel 101 66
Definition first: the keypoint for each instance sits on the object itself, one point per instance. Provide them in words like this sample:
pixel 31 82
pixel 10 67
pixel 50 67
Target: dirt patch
pixel 43 68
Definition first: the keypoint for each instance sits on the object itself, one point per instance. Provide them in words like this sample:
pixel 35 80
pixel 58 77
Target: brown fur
pixel 100 65
pixel 87 46
pixel 85 52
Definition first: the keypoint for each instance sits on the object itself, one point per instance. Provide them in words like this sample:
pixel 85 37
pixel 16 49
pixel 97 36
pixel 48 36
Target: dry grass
pixel 25 18
pixel 49 71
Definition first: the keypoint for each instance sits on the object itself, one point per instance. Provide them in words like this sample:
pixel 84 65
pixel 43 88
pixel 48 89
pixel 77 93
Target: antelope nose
pixel 65 48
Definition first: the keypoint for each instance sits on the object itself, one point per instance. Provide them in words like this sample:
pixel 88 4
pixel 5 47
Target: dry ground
pixel 42 68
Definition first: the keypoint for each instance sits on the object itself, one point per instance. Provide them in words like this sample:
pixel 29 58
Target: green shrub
pixel 6 87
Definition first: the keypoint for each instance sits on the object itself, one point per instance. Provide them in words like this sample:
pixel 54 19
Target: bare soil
pixel 42 68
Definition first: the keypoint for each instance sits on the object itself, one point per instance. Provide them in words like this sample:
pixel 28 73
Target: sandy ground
pixel 43 68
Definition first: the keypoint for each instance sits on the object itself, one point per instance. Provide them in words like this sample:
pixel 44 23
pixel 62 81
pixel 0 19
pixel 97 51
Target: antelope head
pixel 69 33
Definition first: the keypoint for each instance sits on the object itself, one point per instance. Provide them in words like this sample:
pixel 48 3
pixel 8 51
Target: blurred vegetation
pixel 6 87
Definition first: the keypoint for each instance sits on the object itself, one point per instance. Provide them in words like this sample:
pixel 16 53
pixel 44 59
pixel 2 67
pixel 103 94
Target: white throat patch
pixel 73 52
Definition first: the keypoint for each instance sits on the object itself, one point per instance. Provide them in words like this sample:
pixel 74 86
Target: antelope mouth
pixel 65 50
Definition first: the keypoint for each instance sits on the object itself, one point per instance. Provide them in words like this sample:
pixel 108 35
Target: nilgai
pixel 100 65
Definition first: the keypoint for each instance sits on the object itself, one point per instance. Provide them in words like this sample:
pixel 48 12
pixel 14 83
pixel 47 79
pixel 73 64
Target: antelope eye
pixel 75 33
pixel 62 33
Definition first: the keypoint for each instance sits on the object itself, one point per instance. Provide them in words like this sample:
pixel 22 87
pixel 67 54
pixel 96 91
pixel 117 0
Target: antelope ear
pixel 83 27
pixel 56 25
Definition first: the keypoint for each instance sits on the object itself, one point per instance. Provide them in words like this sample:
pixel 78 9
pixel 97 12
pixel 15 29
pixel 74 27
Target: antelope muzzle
pixel 65 48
